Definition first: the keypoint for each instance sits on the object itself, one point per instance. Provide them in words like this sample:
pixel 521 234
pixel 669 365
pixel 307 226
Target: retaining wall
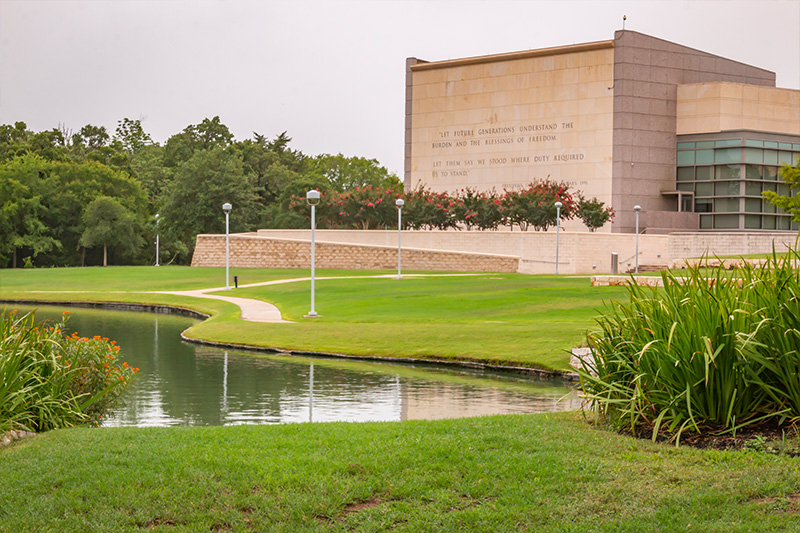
pixel 692 245
pixel 254 251
pixel 579 252
pixel 478 251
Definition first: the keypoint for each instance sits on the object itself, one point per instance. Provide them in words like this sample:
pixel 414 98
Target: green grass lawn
pixel 132 279
pixel 510 319
pixel 500 473
pixel 551 472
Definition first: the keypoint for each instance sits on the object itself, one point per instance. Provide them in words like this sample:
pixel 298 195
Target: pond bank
pixel 185 311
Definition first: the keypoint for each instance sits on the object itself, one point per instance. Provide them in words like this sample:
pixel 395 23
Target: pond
pixel 186 384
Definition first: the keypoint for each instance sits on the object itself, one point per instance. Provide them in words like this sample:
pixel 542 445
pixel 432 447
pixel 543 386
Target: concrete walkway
pixel 261 311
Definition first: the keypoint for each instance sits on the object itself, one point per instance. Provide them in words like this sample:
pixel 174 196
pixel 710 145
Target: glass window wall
pixel 752 188
pixel 740 170
pixel 728 172
pixel 752 221
pixel 728 155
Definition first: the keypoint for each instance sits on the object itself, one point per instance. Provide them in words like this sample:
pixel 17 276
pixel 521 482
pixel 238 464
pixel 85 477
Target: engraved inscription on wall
pixel 524 144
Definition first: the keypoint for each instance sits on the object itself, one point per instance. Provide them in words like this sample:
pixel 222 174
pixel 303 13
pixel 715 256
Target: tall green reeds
pixel 49 381
pixel 709 352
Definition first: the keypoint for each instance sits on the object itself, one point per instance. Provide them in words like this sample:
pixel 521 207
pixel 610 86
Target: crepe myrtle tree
pixel 534 206
pixel 593 213
pixel 477 209
pixel 430 210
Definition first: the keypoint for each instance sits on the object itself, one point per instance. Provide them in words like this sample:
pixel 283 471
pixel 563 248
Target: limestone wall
pixel 477 251
pixel 688 245
pixel 250 251
pixel 502 121
pixel 579 253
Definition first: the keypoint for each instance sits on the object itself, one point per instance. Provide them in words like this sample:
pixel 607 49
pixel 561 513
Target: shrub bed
pixel 702 354
pixel 49 380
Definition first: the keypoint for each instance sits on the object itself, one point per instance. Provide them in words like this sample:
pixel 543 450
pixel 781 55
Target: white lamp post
pixel 637 208
pixel 227 208
pixel 399 203
pixel 312 197
pixel 558 229
pixel 157 239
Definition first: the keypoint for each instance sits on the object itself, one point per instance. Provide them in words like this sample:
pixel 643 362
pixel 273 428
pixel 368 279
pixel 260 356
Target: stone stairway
pixel 647 268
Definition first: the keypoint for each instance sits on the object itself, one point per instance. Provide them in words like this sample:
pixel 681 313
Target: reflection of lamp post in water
pixel 225 385
pixel 311 393
pixel 155 343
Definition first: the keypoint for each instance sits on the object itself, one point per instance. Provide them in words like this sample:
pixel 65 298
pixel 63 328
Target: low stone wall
pixel 694 245
pixel 621 281
pixel 579 252
pixel 254 251
pixel 530 252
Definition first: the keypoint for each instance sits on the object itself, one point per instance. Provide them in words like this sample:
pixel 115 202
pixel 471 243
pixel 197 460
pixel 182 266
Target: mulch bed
pixel 769 437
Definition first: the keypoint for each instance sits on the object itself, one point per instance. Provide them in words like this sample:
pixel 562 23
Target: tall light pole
pixel 637 208
pixel 157 217
pixel 312 197
pixel 558 229
pixel 227 208
pixel 399 203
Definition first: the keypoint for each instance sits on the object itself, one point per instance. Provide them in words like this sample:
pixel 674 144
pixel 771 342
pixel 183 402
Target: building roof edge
pixel 508 56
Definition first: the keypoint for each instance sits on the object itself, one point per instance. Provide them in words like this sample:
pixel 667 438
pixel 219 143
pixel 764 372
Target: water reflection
pixel 187 384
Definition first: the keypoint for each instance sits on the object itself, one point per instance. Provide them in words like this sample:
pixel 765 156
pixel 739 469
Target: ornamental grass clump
pixel 49 380
pixel 712 352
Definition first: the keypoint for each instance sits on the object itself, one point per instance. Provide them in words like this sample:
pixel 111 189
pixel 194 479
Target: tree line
pixel 89 197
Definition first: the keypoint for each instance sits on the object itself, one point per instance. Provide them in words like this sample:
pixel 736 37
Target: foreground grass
pixel 502 473
pixel 508 319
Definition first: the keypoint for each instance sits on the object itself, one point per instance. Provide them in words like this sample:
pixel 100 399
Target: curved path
pixel 261 311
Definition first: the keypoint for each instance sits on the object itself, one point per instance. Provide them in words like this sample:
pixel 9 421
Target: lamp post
pixel 312 197
pixel 399 203
pixel 558 229
pixel 637 208
pixel 227 208
pixel 157 217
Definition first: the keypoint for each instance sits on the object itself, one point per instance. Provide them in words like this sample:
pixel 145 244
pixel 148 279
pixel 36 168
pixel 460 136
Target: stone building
pixel 691 137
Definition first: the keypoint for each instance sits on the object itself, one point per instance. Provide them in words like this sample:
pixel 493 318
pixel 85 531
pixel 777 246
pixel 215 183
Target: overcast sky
pixel 329 72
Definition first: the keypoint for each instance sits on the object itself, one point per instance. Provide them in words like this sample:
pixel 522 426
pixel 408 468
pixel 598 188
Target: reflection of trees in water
pixel 444 400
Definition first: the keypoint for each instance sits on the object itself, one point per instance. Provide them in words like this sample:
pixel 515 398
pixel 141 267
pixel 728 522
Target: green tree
pixel 21 209
pixel 789 203
pixel 193 202
pixel 210 133
pixel 69 187
pixel 593 213
pixel 49 144
pixel 281 173
pixel 14 140
pixel 132 135
pixel 147 166
pixel 91 138
pixel 106 221
pixel 347 173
